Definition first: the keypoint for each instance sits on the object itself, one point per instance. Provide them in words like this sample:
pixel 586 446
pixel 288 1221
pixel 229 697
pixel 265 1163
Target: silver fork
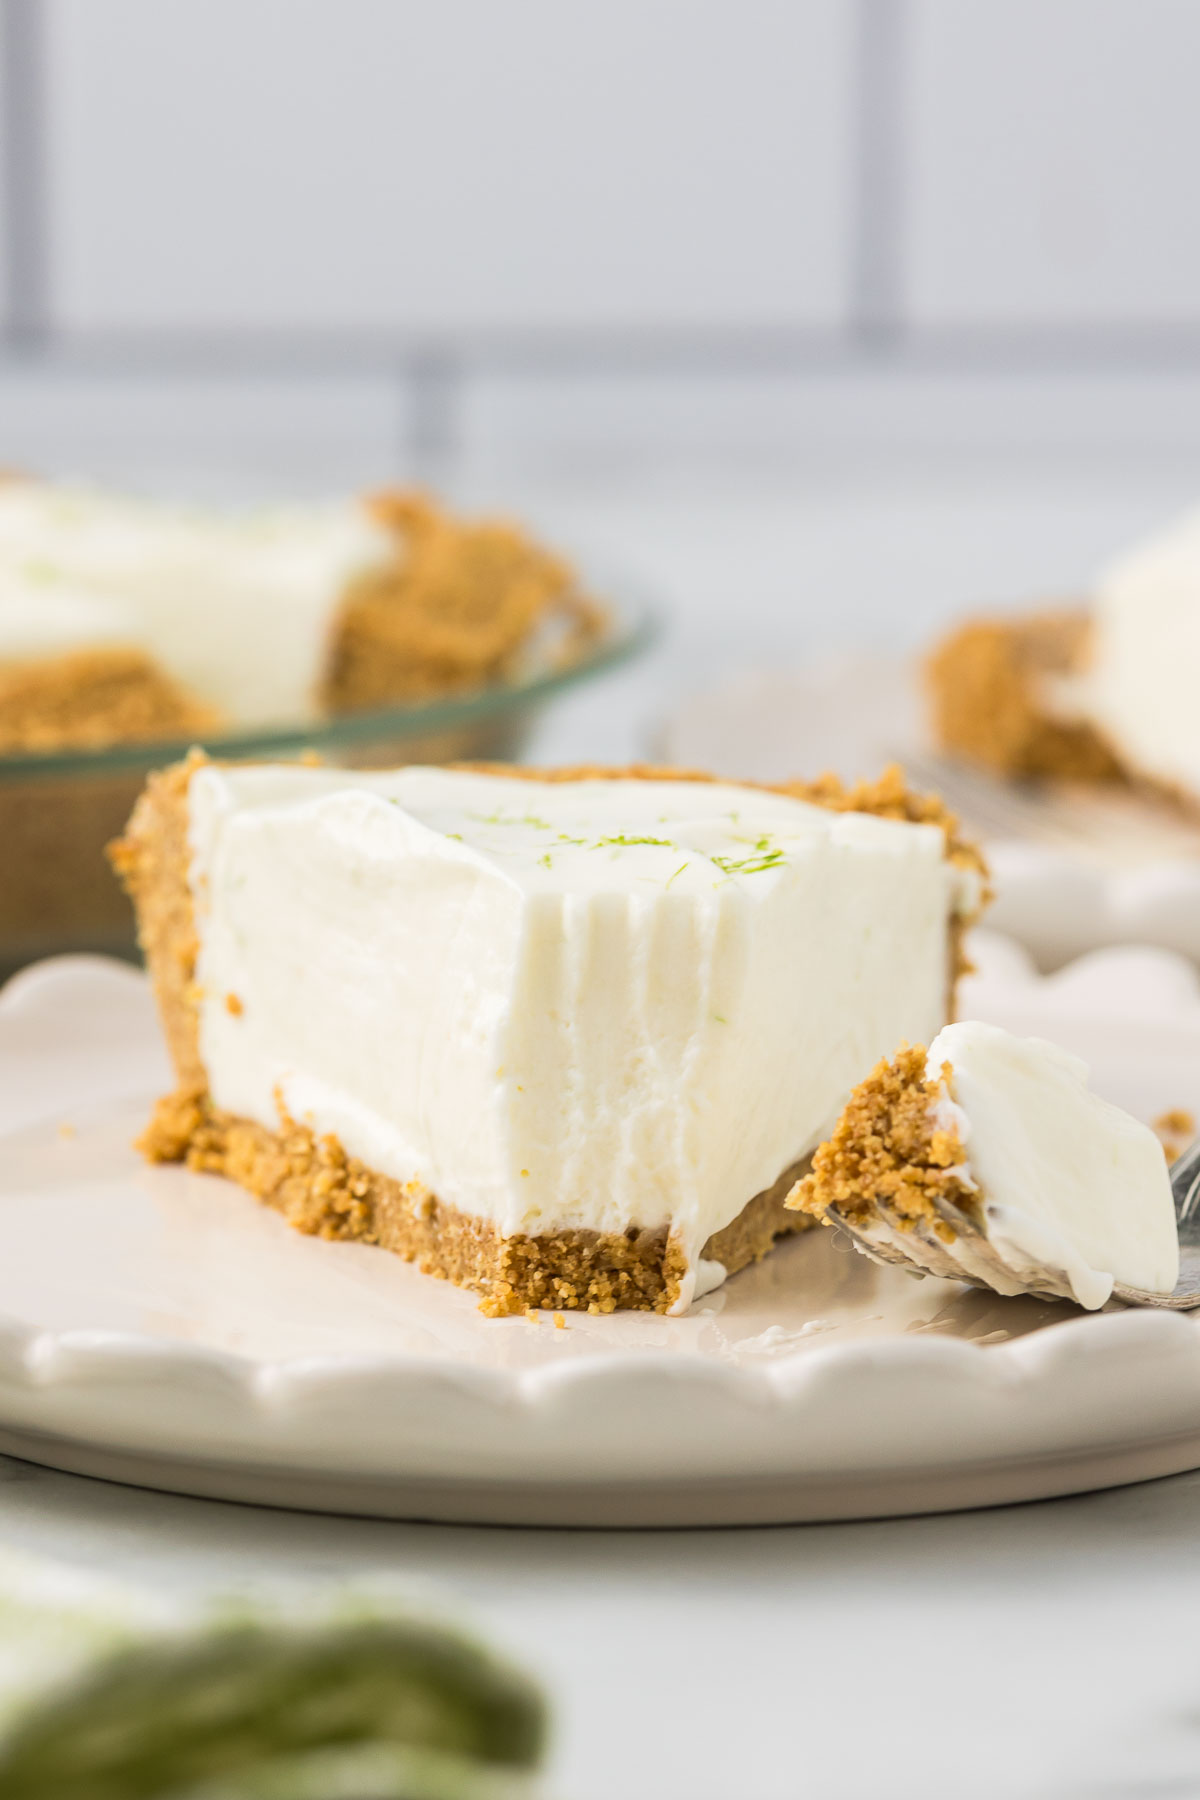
pixel 1185 1186
pixel 916 1246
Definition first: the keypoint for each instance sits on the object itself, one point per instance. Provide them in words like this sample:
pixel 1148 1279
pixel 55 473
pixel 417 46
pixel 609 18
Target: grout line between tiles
pixel 433 439
pixel 1132 352
pixel 23 214
pixel 876 201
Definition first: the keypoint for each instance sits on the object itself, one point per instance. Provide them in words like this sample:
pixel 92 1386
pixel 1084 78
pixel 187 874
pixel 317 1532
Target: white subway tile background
pixel 824 317
pixel 1051 151
pixel 7 139
pixel 464 168
pixel 192 426
pixel 689 226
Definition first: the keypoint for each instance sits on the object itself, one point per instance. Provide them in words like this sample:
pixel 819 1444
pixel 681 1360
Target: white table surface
pixel 1036 1651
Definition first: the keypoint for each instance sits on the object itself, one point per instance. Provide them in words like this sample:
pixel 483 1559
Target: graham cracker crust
pixel 986 691
pixel 152 862
pixel 457 611
pixel 88 699
pixel 321 1190
pixel 888 1146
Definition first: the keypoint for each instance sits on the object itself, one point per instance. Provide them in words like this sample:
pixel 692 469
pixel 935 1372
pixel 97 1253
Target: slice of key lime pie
pixel 1101 691
pixel 563 1038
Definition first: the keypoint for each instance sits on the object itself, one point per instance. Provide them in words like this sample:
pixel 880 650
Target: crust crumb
pixel 1175 1129
pixel 888 1146
pixel 1177 1121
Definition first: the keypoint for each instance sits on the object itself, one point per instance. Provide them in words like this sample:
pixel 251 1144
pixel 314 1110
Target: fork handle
pixel 1185 1183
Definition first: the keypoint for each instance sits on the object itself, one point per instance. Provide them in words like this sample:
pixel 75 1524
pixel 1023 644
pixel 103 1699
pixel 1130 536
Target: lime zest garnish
pixel 623 841
pixel 500 818
pixel 749 865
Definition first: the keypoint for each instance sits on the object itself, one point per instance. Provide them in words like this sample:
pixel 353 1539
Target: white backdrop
pixel 830 316
pixel 683 223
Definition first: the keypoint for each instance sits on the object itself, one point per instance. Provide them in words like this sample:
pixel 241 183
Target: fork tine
pixel 904 1245
pixel 915 1245
pixel 918 1241
pixel 879 1253
pixel 1185 1183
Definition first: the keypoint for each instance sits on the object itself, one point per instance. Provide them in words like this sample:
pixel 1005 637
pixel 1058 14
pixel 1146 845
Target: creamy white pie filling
pixel 41 618
pixel 586 1004
pixel 1140 684
pixel 238 607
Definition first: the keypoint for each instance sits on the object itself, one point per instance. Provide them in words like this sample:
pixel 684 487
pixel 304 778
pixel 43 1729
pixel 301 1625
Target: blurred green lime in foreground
pixel 349 1699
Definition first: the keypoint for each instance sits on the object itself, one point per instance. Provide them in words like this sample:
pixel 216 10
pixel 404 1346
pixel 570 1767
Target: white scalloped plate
pixel 1075 869
pixel 161 1328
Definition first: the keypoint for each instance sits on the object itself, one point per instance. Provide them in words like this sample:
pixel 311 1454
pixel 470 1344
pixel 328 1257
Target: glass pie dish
pixel 59 810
